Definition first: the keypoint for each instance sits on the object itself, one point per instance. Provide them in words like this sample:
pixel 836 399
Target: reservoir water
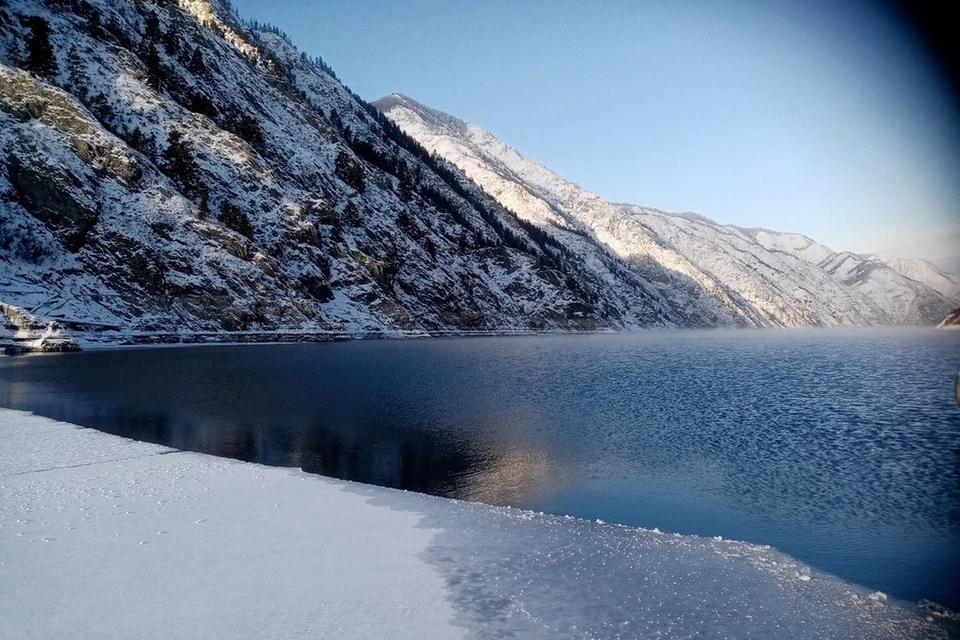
pixel 839 447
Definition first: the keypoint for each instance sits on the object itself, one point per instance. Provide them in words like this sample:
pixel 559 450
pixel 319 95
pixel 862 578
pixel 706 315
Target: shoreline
pixel 25 334
pixel 57 337
pixel 146 340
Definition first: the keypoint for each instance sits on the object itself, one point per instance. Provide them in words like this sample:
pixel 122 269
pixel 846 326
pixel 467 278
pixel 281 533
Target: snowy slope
pixel 926 273
pixel 353 229
pixel 755 276
pixel 103 537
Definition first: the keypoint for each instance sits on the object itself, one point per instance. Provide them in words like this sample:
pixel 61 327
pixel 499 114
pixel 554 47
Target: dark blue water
pixel 841 448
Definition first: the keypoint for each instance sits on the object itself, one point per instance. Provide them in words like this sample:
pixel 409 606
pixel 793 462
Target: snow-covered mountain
pixel 169 172
pixel 754 276
pixel 929 274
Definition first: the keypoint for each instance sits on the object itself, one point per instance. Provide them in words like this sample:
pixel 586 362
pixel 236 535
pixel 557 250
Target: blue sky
pixel 826 118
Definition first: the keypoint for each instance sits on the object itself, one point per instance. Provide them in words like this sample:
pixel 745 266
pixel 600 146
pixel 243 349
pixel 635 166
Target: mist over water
pixel 839 447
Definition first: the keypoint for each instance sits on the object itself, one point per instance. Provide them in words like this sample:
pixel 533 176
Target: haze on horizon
pixel 831 121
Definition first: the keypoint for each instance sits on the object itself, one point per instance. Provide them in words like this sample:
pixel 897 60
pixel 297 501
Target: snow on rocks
pixel 952 321
pixel 185 172
pixel 21 332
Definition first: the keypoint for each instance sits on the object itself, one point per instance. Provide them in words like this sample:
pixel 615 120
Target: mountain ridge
pixel 856 289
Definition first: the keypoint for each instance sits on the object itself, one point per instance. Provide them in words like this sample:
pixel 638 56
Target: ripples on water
pixel 839 447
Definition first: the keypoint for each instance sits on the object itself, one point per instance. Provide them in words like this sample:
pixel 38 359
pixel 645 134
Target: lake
pixel 839 447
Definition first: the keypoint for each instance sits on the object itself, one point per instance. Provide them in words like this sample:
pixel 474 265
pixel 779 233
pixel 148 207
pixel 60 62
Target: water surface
pixel 841 448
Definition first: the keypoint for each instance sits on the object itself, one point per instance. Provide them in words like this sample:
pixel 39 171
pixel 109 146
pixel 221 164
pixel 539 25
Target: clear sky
pixel 827 118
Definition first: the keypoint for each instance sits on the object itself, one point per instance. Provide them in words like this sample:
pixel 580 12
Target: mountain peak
pixel 440 118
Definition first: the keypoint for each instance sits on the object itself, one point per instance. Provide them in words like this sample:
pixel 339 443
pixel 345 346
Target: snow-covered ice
pixel 102 537
pixel 137 544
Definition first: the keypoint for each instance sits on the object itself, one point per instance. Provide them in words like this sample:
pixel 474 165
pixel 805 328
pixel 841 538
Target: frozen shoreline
pixel 110 538
pixel 25 334
pixel 106 537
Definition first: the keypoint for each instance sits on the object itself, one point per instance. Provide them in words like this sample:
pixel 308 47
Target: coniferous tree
pixel 204 209
pixel 41 58
pixel 201 104
pixel 136 138
pixel 430 247
pixel 99 105
pixel 93 24
pixel 335 120
pixel 233 217
pixel 117 32
pixel 405 222
pixel 156 72
pixel 76 75
pixel 405 182
pixel 351 215
pixel 197 66
pixel 149 146
pixel 170 42
pixel 349 171
pixel 180 164
pixel 248 128
pixel 152 30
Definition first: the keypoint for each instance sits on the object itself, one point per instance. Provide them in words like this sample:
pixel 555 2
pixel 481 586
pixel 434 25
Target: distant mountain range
pixel 169 172
pixel 753 276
